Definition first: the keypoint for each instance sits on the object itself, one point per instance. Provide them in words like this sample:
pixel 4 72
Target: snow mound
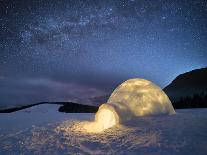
pixel 135 97
pixel 139 97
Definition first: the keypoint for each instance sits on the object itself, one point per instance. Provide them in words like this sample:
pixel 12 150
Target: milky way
pixel 76 50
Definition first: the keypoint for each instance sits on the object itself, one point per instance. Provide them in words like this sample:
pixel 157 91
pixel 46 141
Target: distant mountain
pixel 187 90
pixel 67 107
pixel 188 84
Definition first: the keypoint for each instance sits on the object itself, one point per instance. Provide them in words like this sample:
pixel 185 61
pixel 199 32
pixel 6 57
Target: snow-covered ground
pixel 43 130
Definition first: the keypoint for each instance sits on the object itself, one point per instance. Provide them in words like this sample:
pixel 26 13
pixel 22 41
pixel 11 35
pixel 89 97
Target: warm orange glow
pixel 105 118
pixel 141 97
pixel 135 97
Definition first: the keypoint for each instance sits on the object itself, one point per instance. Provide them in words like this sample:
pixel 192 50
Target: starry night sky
pixel 74 50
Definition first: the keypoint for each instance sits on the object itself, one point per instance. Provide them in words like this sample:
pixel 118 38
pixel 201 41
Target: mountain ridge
pixel 187 84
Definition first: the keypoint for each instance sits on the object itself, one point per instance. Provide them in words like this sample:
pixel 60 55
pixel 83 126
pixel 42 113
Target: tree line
pixel 195 101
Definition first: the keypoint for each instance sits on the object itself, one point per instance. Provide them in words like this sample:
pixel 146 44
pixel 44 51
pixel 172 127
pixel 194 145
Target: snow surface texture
pixel 139 97
pixel 183 133
pixel 135 97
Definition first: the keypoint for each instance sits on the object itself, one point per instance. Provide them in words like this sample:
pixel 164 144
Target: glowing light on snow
pixel 105 118
pixel 135 97
pixel 141 97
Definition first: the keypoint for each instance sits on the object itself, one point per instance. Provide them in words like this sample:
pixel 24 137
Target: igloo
pixel 133 98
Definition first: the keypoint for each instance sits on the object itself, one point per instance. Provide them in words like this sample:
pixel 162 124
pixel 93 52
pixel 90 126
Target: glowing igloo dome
pixel 134 97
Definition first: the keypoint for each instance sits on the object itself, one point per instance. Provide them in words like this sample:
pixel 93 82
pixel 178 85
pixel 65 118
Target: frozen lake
pixel 43 130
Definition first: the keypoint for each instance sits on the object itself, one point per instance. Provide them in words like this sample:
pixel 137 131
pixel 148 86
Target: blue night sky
pixel 75 50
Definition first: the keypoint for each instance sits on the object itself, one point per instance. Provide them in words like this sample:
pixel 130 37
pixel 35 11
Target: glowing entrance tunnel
pixel 135 97
pixel 105 118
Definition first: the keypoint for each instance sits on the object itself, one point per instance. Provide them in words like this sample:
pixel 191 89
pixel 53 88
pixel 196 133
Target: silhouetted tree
pixel 195 101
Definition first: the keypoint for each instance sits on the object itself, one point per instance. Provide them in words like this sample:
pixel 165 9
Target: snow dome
pixel 140 97
pixel 133 98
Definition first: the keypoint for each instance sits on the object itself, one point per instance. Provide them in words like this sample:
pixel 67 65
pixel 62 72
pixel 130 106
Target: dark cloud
pixel 33 90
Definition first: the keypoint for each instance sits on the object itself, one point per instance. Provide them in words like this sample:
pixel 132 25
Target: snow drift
pixel 135 97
